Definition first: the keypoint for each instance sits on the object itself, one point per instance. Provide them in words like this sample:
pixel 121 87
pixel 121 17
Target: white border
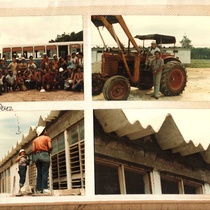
pixel 86 9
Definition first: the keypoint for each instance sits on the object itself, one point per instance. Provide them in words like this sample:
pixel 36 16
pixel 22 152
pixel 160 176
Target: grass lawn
pixel 196 63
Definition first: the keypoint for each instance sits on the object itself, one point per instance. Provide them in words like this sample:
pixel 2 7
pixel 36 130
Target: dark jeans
pixel 79 86
pixel 1 87
pixel 42 161
pixel 22 174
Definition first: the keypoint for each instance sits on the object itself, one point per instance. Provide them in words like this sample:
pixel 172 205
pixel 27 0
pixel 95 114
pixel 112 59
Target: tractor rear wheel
pixel 174 79
pixel 97 84
pixel 116 88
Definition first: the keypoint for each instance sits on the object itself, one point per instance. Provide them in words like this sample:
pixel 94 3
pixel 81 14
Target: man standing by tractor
pixel 156 65
pixel 151 53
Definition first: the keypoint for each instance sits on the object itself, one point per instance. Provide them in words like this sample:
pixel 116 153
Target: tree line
pixel 196 52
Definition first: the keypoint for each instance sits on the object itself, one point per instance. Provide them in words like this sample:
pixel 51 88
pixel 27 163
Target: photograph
pixel 163 58
pixel 41 59
pixel 42 154
pixel 152 151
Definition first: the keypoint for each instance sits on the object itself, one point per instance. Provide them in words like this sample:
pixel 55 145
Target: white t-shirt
pixel 152 51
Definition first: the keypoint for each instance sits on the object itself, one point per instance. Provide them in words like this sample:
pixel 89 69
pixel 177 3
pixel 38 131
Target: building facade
pixel 67 169
pixel 133 159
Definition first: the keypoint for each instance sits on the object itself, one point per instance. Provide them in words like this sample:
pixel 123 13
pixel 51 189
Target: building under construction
pixel 67 170
pixel 152 158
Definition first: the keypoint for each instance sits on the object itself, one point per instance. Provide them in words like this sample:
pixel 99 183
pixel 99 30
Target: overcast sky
pixel 37 29
pixel 14 124
pixel 194 27
pixel 41 29
pixel 194 124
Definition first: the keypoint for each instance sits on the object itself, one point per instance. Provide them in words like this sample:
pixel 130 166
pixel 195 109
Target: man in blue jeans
pixel 156 65
pixel 42 147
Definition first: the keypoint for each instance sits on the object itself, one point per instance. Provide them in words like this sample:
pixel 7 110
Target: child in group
pixel 22 166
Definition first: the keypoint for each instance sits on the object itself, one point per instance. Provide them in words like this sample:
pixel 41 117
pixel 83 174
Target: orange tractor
pixel 125 67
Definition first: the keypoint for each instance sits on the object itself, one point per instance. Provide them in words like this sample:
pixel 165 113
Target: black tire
pixel 116 88
pixel 174 79
pixel 97 84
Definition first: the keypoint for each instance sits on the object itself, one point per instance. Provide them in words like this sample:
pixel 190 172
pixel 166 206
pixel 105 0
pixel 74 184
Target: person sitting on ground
pixel 27 79
pixel 39 75
pixel 13 66
pixel 20 81
pixel 11 80
pixel 78 80
pixel 60 78
pixel 22 66
pixel 49 82
pixel 80 60
pixel 34 79
pixel 62 63
pixel 1 82
pixel 5 83
pixel 70 77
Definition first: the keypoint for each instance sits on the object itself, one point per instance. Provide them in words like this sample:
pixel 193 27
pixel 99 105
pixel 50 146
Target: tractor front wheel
pixel 174 79
pixel 116 88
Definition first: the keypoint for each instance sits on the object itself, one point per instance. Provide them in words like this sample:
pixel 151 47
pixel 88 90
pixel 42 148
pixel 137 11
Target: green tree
pixel 186 42
pixel 68 37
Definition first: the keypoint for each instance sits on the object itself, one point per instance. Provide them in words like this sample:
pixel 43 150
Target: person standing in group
pixel 156 65
pixel 22 168
pixel 42 147
pixel 13 66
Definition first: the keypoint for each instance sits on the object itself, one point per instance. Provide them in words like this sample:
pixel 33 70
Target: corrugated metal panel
pixel 28 137
pixel 164 128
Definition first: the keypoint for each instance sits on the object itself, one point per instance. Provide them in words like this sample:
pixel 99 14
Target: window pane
pixel 106 180
pixel 81 130
pixel 169 187
pixel 61 143
pixel 54 146
pixel 189 189
pixel 134 183
pixel 73 135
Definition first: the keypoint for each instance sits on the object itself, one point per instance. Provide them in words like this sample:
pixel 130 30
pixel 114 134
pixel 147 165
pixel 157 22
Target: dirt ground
pixel 197 89
pixel 34 95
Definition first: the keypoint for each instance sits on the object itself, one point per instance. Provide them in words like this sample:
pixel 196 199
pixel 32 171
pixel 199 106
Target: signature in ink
pixel 6 108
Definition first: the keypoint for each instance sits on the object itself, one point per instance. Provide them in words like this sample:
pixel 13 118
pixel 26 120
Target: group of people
pixel 42 147
pixel 155 63
pixel 59 73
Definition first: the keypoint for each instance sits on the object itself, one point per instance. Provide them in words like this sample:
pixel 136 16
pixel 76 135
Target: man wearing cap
pixel 44 58
pixel 42 146
pixel 22 66
pixel 151 54
pixel 54 63
pixel 22 168
pixel 156 65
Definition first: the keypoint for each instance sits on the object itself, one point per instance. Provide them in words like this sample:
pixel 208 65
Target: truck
pixel 125 67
